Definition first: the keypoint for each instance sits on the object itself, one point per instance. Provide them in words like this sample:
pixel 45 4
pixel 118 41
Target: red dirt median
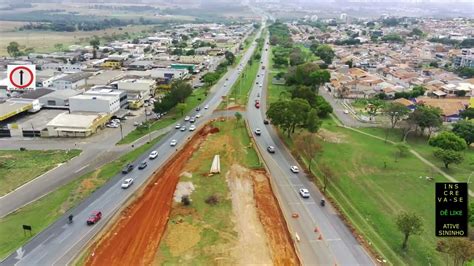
pixel 134 239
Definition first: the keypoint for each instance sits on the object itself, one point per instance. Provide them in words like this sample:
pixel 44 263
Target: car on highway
pixel 266 122
pixel 183 128
pixel 127 169
pixel 94 217
pixel 206 106
pixel 346 111
pixel 173 142
pixel 198 115
pixel 178 126
pixel 142 165
pixel 153 155
pixel 294 169
pixel 271 149
pixel 258 132
pixel 187 118
pixel 192 119
pixel 192 128
pixel 127 183
pixel 198 109
pixel 304 193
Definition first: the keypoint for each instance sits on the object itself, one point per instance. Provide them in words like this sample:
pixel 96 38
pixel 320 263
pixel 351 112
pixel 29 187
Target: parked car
pixel 143 165
pixel 127 169
pixel 127 183
pixel 153 155
pixel 183 128
pixel 258 132
pixel 115 120
pixel 187 118
pixel 346 111
pixel 112 125
pixel 304 193
pixel 192 128
pixel 173 142
pixel 178 126
pixel 271 149
pixel 294 169
pixel 94 217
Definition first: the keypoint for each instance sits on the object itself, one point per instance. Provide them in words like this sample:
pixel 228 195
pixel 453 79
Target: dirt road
pixel 136 236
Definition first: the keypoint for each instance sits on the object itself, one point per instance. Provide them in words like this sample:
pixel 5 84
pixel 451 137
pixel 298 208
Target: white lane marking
pixel 19 253
pixel 78 170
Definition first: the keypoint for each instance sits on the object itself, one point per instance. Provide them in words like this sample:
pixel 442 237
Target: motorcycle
pixel 70 219
pixel 323 202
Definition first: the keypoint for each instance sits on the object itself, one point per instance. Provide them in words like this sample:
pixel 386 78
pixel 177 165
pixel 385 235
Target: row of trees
pixel 14 50
pixel 178 93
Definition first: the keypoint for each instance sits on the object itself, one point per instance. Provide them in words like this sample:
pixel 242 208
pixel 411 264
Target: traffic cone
pixel 316 229
pixel 320 237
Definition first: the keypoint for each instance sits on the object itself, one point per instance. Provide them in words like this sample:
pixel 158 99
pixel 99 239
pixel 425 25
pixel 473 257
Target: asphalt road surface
pixel 61 242
pixel 338 245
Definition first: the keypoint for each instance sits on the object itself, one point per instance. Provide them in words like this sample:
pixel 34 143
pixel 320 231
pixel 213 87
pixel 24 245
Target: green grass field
pixel 241 89
pixel 209 228
pixel 196 98
pixel 19 167
pixel 372 186
pixel 43 212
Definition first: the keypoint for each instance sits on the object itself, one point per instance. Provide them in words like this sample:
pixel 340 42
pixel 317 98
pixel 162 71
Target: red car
pixel 257 104
pixel 94 217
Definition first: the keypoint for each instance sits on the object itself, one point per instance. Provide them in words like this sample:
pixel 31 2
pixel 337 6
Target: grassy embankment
pixel 19 167
pixel 206 232
pixel 43 212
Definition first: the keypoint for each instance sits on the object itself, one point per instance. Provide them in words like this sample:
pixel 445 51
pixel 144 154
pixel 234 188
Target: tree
pixel 461 250
pixel 319 77
pixel 448 156
pixel 326 53
pixel 468 113
pixel 465 130
pixel 323 107
pixel 13 49
pixel 289 114
pixel 180 108
pixel 402 148
pixel 313 123
pixel 395 112
pixel 191 52
pixel 230 57
pixel 180 90
pixel 374 105
pixel 308 146
pixel 210 78
pixel 304 92
pixel 409 224
pixel 238 116
pixel 95 42
pixel 427 117
pixel 296 57
pixel 328 175
pixel 448 141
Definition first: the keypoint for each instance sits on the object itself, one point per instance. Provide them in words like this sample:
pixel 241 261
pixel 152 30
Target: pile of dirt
pixel 281 244
pixel 252 245
pixel 183 189
pixel 134 239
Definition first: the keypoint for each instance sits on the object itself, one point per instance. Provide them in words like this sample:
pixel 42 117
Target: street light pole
pixel 121 131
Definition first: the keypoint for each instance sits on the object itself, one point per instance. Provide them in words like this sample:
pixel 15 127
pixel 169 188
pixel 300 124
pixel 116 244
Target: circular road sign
pixel 21 77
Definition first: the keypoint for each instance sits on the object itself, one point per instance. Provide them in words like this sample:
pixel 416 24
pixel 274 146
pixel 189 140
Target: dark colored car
pixel 94 217
pixel 142 165
pixel 266 122
pixel 192 120
pixel 198 109
pixel 127 169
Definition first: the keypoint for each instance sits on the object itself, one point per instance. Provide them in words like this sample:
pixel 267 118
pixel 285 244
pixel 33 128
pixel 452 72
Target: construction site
pixel 211 203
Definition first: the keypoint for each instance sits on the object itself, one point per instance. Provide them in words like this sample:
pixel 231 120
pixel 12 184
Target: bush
pixel 185 200
pixel 212 200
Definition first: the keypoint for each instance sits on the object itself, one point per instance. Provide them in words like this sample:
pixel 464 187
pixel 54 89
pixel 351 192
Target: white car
pixel 127 183
pixel 346 111
pixel 153 154
pixel 192 128
pixel 206 107
pixel 198 115
pixel 187 118
pixel 116 121
pixel 258 132
pixel 173 142
pixel 178 126
pixel 294 169
pixel 304 193
pixel 112 125
pixel 183 128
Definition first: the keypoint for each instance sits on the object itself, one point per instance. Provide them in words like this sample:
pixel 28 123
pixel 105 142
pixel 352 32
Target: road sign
pixel 21 77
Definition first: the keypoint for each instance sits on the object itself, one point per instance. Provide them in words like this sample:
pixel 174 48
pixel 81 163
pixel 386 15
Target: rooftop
pixel 74 120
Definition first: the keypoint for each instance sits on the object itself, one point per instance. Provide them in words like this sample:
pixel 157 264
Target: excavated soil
pixel 281 244
pixel 136 236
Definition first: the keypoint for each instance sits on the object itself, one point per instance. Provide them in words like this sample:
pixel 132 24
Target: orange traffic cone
pixel 316 229
pixel 320 237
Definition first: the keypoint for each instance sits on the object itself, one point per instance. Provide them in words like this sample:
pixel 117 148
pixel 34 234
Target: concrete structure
pixel 168 73
pixel 142 87
pixel 58 99
pixel 466 59
pixel 94 103
pixel 62 67
pixel 71 81
pixel 108 91
pixel 75 124
pixel 11 108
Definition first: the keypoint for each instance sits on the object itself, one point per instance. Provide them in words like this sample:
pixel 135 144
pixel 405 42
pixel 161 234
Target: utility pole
pixel 33 128
pixel 148 125
pixel 121 131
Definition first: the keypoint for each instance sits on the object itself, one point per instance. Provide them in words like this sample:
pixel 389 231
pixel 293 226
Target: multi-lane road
pixel 61 242
pixel 337 245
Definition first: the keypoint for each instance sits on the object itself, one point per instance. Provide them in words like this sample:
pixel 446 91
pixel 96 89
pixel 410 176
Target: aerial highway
pixel 332 243
pixel 60 243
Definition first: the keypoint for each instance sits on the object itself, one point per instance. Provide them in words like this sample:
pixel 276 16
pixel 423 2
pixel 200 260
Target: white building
pixel 71 81
pixel 61 67
pixel 143 87
pixel 94 103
